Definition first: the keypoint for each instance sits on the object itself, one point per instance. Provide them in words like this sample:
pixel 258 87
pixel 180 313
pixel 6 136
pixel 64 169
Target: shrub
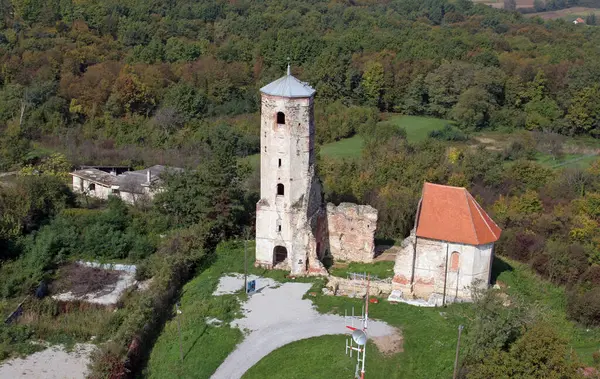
pixel 448 133
pixel 583 305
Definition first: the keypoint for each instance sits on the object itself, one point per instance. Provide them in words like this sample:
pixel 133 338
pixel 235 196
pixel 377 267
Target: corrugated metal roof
pixel 288 86
pixel 452 214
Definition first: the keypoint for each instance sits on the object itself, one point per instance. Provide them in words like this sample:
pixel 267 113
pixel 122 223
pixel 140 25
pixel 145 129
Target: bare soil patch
pixel 81 280
pixel 390 344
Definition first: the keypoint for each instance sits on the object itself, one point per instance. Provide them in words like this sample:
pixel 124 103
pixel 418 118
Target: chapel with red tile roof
pixel 451 214
pixel 450 249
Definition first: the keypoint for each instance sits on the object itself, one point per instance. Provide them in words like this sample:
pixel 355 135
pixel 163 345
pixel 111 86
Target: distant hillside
pixel 102 79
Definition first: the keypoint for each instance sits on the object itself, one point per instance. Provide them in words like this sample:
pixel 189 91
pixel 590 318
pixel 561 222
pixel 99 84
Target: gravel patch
pixel 276 316
pixel 52 363
pixel 234 282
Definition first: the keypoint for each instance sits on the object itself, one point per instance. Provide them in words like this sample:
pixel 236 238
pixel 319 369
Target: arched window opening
pixel 280 189
pixel 454 261
pixel 92 187
pixel 280 118
pixel 279 254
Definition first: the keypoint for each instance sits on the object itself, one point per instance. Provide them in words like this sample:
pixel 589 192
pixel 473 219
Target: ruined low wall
pixel 357 288
pixel 351 231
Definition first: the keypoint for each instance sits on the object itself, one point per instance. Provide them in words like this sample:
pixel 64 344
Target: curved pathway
pixel 278 316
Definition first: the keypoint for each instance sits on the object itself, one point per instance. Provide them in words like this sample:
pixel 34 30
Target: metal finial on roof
pixel 289 70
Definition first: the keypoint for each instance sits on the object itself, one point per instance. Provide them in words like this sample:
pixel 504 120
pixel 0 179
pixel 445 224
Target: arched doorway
pixel 279 254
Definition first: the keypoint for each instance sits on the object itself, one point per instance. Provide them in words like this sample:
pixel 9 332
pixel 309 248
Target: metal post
pixel 460 328
pixel 179 330
pixel 245 264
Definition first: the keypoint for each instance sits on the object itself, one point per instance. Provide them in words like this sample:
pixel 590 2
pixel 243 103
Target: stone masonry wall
pixel 351 230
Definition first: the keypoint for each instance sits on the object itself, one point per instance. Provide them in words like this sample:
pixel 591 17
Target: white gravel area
pixel 51 363
pixel 234 282
pixel 278 316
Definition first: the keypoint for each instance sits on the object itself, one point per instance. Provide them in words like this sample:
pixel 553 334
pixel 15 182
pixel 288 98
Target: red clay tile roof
pixel 452 214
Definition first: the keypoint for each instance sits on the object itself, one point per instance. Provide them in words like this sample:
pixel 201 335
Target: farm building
pixel 130 186
pixel 450 249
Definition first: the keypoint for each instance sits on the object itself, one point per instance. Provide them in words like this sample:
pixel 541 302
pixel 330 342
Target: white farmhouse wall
pixel 101 191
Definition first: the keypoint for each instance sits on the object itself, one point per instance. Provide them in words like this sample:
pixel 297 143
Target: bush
pixel 448 133
pixel 173 264
pixel 583 305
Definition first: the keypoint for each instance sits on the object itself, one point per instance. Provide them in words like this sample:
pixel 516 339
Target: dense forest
pixel 108 80
pixel 176 82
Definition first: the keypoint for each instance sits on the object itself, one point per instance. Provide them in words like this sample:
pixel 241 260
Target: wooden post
pixel 179 330
pixel 460 328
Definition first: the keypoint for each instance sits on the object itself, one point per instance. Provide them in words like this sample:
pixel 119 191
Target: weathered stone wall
pixel 435 275
pixel 357 288
pixel 351 231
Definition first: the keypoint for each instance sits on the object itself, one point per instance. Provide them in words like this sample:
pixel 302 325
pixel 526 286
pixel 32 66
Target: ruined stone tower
pixel 290 214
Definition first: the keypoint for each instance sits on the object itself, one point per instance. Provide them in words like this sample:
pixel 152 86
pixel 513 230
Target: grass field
pixel 568 14
pixel 417 129
pixel 205 346
pixel 383 269
pixel 298 360
pixel 429 334
pixel 346 148
pixel 567 161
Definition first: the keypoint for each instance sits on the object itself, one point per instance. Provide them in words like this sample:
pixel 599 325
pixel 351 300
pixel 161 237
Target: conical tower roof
pixel 288 86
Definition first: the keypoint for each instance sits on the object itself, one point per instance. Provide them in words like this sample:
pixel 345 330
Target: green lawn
pixel 429 334
pixel 382 270
pixel 205 346
pixel 297 361
pixel 567 161
pixel 346 148
pixel 417 129
pixel 429 345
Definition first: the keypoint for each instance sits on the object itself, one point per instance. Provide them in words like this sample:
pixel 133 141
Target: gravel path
pixel 278 316
pixel 51 363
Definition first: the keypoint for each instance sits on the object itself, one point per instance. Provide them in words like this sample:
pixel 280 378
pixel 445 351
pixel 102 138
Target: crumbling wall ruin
pixel 351 229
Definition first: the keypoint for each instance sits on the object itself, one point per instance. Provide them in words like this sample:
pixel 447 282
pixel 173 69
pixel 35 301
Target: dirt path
pixel 52 363
pixel 277 316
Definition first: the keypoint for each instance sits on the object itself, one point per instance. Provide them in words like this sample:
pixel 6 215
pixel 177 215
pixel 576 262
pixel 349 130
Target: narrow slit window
pixel 279 163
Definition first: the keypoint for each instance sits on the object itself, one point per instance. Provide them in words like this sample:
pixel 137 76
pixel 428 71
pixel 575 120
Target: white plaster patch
pixel 51 363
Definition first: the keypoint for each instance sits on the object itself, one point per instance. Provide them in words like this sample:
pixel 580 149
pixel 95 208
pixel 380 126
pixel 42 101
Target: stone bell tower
pixel 290 213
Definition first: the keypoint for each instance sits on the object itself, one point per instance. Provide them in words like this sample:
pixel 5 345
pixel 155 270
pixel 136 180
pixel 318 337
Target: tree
pixel 446 84
pixel 211 195
pixel 510 5
pixel 540 353
pixel 591 19
pixel 539 5
pixel 186 99
pixel 473 108
pixel 584 113
pixel 373 82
